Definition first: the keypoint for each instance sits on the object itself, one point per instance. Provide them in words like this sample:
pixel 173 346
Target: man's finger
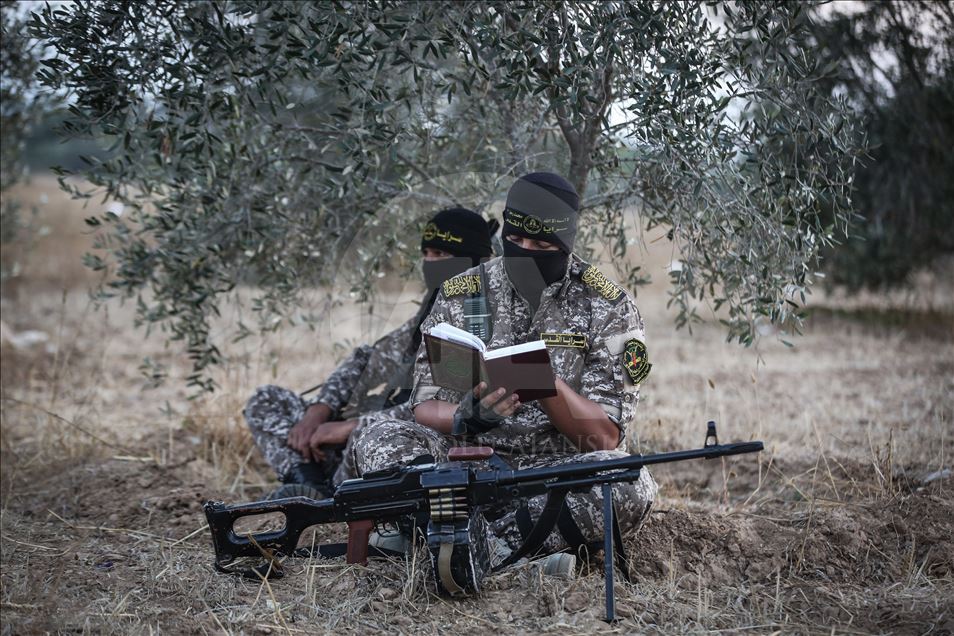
pixel 512 404
pixel 507 406
pixel 300 437
pixel 315 441
pixel 479 389
pixel 505 403
pixel 317 453
pixel 491 400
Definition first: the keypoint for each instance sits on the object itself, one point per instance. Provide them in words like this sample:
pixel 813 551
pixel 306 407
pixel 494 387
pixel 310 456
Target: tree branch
pixel 908 53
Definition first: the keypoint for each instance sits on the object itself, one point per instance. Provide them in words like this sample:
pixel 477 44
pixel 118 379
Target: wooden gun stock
pixel 358 534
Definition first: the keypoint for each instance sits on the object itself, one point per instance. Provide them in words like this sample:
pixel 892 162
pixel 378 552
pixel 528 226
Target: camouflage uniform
pixel 272 411
pixel 595 337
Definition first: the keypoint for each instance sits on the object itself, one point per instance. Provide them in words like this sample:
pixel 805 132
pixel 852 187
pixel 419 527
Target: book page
pixel 514 349
pixel 455 334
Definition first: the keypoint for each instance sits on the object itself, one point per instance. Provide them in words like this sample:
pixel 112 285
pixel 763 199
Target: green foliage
pixel 21 106
pixel 292 143
pixel 896 63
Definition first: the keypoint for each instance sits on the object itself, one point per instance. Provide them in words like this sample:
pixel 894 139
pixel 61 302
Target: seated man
pixel 302 439
pixel 539 289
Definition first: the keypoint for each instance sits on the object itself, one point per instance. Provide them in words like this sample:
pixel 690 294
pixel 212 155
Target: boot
pixel 295 490
pixel 313 475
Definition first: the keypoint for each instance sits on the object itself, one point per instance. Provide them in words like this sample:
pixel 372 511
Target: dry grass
pixel 832 529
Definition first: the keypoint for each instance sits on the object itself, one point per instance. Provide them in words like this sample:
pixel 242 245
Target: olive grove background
pixel 255 176
pixel 254 142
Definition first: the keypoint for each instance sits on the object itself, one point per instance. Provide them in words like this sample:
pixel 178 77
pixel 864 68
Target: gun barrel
pixel 584 469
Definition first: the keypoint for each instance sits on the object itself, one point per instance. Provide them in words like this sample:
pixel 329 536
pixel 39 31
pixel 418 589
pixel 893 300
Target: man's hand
pixel 330 433
pixel 496 401
pixel 300 433
pixel 480 411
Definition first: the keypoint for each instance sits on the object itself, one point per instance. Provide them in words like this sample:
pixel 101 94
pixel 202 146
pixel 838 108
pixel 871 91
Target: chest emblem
pixel 636 360
pixel 573 340
pixel 462 285
pixel 603 286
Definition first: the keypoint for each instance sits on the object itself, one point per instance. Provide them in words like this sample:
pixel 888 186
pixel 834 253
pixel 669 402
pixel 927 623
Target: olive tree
pixel 254 141
pixel 896 65
pixel 22 105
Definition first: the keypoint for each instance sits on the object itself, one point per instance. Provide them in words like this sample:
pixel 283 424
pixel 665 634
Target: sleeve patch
pixel 636 360
pixel 458 285
pixel 573 340
pixel 603 286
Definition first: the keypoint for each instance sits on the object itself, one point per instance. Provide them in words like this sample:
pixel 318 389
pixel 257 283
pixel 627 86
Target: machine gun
pixel 448 499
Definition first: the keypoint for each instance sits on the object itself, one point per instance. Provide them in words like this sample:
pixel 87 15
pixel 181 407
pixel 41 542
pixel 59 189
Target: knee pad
pixel 273 401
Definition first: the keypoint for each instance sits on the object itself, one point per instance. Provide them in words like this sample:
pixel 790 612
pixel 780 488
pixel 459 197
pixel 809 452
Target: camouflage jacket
pixel 594 334
pixel 348 390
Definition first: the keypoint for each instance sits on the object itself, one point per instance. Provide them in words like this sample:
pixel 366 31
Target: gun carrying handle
pixel 467 453
pixel 358 534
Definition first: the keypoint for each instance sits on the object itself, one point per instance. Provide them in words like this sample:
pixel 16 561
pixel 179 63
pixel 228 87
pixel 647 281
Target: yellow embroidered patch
pixel 602 285
pixel 458 285
pixel 574 340
pixel 431 231
pixel 534 224
pixel 636 360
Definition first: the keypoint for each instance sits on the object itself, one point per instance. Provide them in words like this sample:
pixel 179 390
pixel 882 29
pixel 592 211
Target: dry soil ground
pixel 844 524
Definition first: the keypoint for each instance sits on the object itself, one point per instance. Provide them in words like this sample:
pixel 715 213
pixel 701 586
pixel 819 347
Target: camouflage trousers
pixel 388 442
pixel 270 413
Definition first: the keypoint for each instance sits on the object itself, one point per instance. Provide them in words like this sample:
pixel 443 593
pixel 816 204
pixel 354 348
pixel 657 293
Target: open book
pixel 460 360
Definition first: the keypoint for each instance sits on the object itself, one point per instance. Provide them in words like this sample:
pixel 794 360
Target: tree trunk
pixel 580 166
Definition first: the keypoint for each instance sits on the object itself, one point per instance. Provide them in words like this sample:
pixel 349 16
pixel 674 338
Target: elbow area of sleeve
pixel 423 393
pixel 613 411
pixel 329 399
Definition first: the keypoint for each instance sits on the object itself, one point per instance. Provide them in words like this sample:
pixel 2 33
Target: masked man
pixel 539 289
pixel 302 439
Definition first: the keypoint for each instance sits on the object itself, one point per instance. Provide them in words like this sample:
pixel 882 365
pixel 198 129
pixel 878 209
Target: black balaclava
pixel 461 232
pixel 542 206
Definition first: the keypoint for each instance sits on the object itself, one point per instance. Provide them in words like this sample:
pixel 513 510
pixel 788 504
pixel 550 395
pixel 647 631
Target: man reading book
pixel 538 290
pixel 301 438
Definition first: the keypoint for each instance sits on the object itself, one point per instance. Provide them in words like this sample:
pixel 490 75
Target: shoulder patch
pixel 603 286
pixel 468 284
pixel 636 360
